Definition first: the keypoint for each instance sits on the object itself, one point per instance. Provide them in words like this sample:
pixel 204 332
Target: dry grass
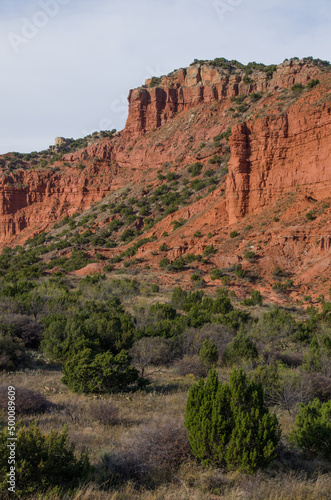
pixel 142 425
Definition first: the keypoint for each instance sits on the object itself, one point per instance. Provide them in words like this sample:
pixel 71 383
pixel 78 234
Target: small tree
pixel 312 428
pixel 229 424
pixel 89 372
pixel 208 353
pixel 42 462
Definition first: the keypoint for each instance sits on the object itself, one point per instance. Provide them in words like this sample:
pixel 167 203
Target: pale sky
pixel 67 65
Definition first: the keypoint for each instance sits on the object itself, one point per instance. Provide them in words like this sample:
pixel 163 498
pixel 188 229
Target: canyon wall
pixel 278 154
pixel 152 107
pixel 273 148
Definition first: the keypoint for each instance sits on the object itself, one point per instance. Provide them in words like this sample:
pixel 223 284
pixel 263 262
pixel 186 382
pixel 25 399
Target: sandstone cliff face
pixel 38 199
pixel 270 155
pixel 186 88
pixel 278 154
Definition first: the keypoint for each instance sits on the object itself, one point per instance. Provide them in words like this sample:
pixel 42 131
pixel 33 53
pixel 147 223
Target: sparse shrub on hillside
pixel 256 96
pixel 234 234
pixel 42 462
pixel 312 428
pixel 297 88
pixel 313 83
pixel 224 135
pixel 239 271
pixel 208 353
pixel 279 273
pixel 164 263
pixel 216 274
pixel 255 300
pixel 195 168
pixel 241 347
pixel 209 250
pixel 310 215
pixel 229 424
pixel 198 184
pixel 177 224
pixel 250 256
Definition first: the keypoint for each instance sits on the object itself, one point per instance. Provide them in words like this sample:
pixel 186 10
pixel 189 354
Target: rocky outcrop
pixel 168 124
pixel 277 154
pixel 152 107
pixel 37 199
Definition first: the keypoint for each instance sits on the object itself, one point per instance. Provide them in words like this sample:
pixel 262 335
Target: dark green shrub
pixel 195 169
pixel 216 274
pixel 249 255
pixel 208 353
pixel 268 376
pixel 310 215
pixel 312 83
pixel 179 263
pixel 155 288
pixel 224 135
pixel 164 247
pixel 229 424
pixel 209 250
pixel 197 234
pixel 256 96
pixel 42 462
pixel 234 319
pixel 197 184
pixel 164 263
pixel 221 305
pixel 87 372
pixel 13 354
pixel 162 311
pixel 128 234
pixel 179 296
pixel 297 88
pixel 255 300
pixel 190 257
pixel 312 428
pixel 171 176
pixel 108 269
pixel 234 234
pixel 177 224
pixel 239 271
pixel 241 347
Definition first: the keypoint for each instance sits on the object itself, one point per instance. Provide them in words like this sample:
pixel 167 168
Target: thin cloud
pixel 73 75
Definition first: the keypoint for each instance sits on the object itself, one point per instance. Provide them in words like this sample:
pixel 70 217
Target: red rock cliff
pixel 276 154
pixel 152 107
pixel 287 144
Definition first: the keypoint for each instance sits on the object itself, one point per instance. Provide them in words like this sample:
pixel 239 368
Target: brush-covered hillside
pixel 165 301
